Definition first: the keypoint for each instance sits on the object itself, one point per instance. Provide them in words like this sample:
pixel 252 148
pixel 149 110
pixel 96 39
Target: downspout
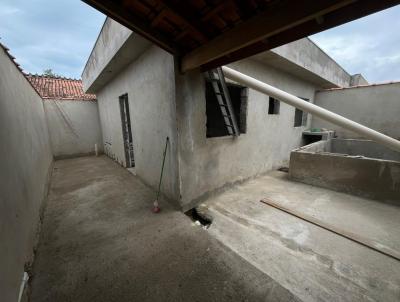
pixel 311 108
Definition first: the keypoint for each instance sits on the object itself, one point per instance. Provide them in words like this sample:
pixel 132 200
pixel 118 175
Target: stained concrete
pixel 305 59
pixel 25 161
pixel 375 106
pixel 74 127
pixel 377 175
pixel 101 242
pixel 207 164
pixel 313 263
pixel 149 83
pixel 115 47
pixel 164 102
pixel 366 148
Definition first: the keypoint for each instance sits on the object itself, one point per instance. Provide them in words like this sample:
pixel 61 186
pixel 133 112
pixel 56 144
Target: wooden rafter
pixel 208 34
pixel 267 24
pixel 346 14
pixel 123 16
pixel 178 14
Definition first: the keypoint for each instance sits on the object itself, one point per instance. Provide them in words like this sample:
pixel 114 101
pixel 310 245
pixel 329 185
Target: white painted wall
pixel 25 162
pixel 74 127
pixel 207 164
pixel 149 82
pixel 377 107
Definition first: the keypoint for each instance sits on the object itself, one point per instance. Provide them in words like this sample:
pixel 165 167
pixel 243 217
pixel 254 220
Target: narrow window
pixel 126 130
pixel 274 105
pixel 300 117
pixel 215 121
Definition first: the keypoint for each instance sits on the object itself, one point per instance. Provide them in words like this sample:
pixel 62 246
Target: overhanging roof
pixel 207 34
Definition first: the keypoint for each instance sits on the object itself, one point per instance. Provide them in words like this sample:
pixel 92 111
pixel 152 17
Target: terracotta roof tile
pixel 59 88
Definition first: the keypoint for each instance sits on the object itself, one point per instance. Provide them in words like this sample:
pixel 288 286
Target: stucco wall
pixel 74 127
pixel 309 56
pixel 368 177
pixel 377 107
pixel 25 161
pixel 112 36
pixel 116 47
pixel 207 164
pixel 149 82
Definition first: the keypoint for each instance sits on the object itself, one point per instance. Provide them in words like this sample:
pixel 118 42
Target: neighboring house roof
pixel 59 88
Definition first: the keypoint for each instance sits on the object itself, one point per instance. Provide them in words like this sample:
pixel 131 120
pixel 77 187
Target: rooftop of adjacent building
pixel 59 88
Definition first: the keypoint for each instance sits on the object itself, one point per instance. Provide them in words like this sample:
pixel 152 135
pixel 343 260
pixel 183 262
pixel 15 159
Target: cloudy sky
pixel 56 34
pixel 370 45
pixel 60 35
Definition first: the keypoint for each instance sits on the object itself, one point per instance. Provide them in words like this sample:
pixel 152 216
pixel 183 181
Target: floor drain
pixel 199 217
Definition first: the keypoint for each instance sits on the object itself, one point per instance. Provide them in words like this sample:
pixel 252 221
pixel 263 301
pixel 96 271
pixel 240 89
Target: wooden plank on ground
pixel 331 228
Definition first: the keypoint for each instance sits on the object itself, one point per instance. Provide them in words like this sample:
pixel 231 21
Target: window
pixel 126 130
pixel 274 105
pixel 215 121
pixel 300 117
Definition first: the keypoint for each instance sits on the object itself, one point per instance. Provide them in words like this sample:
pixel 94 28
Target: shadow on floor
pixel 101 242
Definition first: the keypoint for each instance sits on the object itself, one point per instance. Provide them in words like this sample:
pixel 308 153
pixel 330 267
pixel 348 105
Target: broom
pixel 156 207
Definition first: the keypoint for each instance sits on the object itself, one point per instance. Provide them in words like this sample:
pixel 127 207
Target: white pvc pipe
pixel 311 108
pixel 25 278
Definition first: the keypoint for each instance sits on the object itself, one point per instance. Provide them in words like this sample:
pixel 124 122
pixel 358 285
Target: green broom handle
pixel 162 167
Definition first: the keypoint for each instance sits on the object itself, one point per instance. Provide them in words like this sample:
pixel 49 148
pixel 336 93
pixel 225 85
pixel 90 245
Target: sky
pixel 60 35
pixel 370 45
pixel 56 34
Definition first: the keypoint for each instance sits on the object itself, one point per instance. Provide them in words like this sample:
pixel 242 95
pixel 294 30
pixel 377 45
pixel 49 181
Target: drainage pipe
pixel 311 108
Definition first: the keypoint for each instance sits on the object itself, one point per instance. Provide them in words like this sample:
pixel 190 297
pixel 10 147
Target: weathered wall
pixel 149 82
pixel 376 106
pixel 365 148
pixel 74 127
pixel 358 79
pixel 368 177
pixel 310 56
pixel 112 36
pixel 116 47
pixel 25 161
pixel 304 59
pixel 207 164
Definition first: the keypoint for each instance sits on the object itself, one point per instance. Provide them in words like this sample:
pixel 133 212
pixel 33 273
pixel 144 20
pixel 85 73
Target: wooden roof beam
pixel 354 11
pixel 116 11
pixel 218 8
pixel 281 16
pixel 190 24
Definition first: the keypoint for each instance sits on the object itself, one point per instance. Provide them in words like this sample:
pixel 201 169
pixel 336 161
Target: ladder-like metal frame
pixel 221 91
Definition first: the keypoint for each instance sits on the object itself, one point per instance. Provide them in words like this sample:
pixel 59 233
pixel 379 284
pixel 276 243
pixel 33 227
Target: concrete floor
pixel 100 242
pixel 312 263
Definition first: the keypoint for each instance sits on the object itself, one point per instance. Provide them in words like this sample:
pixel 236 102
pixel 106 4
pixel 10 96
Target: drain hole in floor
pixel 199 217
pixel 284 169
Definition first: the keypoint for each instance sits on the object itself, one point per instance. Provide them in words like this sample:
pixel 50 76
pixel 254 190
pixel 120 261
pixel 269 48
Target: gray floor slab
pixel 100 242
pixel 313 263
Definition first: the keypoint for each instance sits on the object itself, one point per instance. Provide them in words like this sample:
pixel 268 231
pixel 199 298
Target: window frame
pixel 241 114
pixel 275 109
pixel 304 116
